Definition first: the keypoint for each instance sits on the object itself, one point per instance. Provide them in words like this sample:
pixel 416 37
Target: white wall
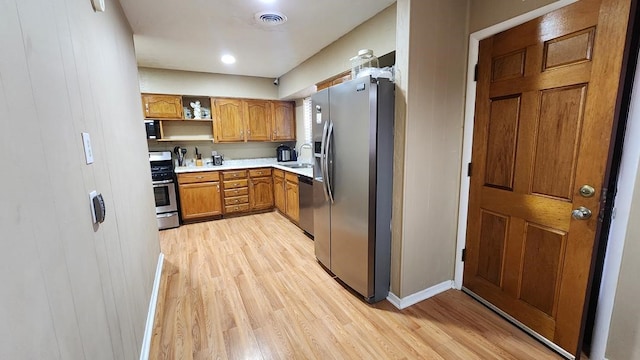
pixel 71 290
pixel 163 81
pixel 377 34
pixel 431 50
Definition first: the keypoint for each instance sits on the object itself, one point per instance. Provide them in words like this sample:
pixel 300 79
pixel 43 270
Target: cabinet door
pixel 284 121
pixel 199 200
pixel 293 206
pixel 278 194
pixel 162 106
pixel 261 193
pixel 228 122
pixel 257 117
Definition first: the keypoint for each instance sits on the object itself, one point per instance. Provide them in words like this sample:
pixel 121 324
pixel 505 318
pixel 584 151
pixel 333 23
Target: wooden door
pixel 278 193
pixel 284 121
pixel 257 115
pixel 261 193
pixel 545 103
pixel 293 200
pixel 162 106
pixel 199 200
pixel 228 123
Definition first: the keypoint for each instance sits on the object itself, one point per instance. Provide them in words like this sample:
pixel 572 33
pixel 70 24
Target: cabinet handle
pixel 199 177
pixel 146 107
pixel 218 187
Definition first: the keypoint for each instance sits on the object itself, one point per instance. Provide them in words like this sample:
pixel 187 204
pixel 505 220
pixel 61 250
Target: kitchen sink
pixel 298 166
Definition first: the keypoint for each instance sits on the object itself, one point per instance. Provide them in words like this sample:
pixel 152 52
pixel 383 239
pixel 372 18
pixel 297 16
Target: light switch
pixel 88 152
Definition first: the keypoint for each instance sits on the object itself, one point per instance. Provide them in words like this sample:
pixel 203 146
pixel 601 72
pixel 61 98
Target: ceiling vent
pixel 270 18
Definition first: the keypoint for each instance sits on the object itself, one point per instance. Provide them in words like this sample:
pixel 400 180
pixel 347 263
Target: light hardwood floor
pixel 250 288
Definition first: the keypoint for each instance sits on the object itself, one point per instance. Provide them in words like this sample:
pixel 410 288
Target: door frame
pixel 626 182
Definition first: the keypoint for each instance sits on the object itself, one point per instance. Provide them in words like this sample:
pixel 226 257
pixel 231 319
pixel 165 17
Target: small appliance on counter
pixel 217 160
pixel 285 153
pixel 153 129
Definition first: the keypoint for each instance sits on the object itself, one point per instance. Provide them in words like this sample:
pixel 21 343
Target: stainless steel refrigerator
pixel 353 171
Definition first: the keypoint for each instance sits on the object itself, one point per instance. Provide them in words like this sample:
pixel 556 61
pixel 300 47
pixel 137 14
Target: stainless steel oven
pixel 164 189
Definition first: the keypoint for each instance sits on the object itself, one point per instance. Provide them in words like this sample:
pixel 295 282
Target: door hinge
pixel 464 254
pixel 475 73
pixel 469 169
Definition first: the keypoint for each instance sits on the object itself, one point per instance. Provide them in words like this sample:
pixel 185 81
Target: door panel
pixel 501 142
pixel 545 103
pixel 558 135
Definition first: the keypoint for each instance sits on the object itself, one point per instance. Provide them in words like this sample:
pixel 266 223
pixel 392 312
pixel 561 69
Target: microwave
pixel 153 129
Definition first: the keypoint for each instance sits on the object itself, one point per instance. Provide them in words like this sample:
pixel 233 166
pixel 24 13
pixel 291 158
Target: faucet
pixel 306 145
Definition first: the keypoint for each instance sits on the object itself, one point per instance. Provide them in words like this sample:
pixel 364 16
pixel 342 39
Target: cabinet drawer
pixel 259 172
pixel 196 177
pixel 278 173
pixel 291 177
pixel 236 200
pixel 236 192
pixel 235 184
pixel 236 174
pixel 236 208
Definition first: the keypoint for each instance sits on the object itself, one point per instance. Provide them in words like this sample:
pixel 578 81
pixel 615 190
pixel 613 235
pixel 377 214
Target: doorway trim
pixel 629 168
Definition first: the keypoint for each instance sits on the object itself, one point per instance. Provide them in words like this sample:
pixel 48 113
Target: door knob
pixel 581 213
pixel 587 191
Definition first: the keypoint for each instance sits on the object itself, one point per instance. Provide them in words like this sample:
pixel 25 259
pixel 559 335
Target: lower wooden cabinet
pixel 292 197
pixel 207 194
pixel 260 189
pixel 200 195
pixel 236 190
pixel 278 190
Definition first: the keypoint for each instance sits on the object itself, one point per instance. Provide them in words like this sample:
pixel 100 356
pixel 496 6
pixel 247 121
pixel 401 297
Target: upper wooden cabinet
pixel 228 124
pixel 239 120
pixel 258 119
pixel 284 121
pixel 162 106
pixel 334 80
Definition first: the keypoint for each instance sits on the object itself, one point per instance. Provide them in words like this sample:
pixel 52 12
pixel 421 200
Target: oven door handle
pixel 160 216
pixel 159 183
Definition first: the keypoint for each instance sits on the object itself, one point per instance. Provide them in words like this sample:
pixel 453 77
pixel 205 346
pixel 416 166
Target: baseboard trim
pixel 148 329
pixel 415 298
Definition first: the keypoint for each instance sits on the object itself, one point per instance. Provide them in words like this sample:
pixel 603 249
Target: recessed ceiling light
pixel 228 59
pixel 268 1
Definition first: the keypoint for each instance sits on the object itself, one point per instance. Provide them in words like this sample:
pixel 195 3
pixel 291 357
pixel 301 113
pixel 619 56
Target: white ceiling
pixel 194 34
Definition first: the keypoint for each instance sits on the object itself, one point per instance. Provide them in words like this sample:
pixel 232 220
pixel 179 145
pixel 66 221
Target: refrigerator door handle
pixel 323 158
pixel 326 163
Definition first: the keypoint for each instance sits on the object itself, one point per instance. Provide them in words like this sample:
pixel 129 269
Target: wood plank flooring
pixel 250 288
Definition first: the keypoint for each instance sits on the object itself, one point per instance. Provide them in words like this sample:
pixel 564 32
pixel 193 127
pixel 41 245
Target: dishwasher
pixel 306 204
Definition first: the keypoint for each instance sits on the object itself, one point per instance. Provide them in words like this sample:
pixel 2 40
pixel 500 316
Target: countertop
pixel 247 164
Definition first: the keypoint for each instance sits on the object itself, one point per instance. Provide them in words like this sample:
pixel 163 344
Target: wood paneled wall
pixel 72 290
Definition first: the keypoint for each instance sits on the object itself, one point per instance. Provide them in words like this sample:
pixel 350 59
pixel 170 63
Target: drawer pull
pixel 199 177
